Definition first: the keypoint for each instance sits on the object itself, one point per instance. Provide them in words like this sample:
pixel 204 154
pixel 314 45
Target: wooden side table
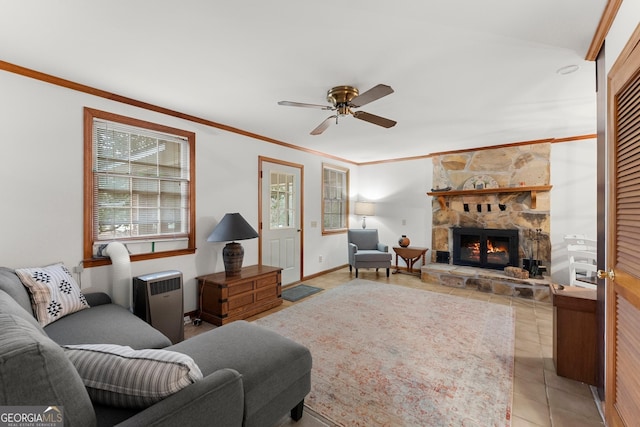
pixel 410 255
pixel 224 299
pixel 575 336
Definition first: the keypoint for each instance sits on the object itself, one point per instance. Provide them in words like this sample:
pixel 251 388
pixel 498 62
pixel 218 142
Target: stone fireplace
pixel 494 189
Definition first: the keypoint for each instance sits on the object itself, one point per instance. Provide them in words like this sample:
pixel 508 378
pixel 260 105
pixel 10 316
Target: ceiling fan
pixel 343 100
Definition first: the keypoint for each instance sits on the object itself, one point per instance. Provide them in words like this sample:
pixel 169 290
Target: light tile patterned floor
pixel 541 398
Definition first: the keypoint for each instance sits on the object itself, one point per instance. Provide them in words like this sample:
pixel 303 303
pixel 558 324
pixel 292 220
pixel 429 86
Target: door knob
pixel 602 274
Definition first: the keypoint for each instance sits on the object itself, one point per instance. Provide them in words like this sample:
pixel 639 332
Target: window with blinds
pixel 141 182
pixel 335 198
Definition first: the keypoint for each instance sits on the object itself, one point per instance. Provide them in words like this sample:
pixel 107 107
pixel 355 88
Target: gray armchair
pixel 365 251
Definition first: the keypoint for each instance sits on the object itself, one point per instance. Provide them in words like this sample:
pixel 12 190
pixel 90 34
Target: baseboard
pixel 340 267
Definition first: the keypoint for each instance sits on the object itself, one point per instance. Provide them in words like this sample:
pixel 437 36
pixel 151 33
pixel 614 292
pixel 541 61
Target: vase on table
pixel 404 241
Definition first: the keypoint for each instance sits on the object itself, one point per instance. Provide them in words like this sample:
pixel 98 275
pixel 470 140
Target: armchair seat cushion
pixel 372 256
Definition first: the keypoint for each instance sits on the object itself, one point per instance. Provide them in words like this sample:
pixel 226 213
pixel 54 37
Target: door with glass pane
pixel 281 217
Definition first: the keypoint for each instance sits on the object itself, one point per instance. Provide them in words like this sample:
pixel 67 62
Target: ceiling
pixel 466 73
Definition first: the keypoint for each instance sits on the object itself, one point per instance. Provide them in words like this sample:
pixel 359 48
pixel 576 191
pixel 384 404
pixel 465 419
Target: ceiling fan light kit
pixel 343 99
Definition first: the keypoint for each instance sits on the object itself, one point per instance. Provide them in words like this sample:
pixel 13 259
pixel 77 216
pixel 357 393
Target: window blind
pixel 141 183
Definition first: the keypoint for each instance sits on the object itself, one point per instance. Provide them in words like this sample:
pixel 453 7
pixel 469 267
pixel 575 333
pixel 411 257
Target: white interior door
pixel 281 231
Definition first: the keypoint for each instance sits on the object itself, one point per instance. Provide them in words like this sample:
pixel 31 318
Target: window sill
pixel 97 262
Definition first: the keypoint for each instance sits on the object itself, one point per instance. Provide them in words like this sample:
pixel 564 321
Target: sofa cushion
pixel 9 306
pixel 271 365
pixel 11 284
pixel 372 256
pixel 35 371
pixel 106 324
pixel 54 292
pixel 122 377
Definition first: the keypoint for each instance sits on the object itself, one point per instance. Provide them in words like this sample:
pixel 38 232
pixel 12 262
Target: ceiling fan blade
pixel 302 104
pixel 323 126
pixel 376 120
pixel 371 95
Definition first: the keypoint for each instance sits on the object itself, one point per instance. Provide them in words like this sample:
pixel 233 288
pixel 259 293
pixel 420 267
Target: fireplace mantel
pixel 532 190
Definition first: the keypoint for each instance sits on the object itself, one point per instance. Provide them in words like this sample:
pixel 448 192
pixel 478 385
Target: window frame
pixel 89 259
pixel 345 213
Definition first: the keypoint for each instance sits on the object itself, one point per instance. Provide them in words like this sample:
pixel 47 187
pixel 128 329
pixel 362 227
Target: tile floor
pixel 540 398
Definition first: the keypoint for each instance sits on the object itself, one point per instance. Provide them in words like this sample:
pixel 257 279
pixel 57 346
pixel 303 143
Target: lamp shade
pixel 365 208
pixel 232 227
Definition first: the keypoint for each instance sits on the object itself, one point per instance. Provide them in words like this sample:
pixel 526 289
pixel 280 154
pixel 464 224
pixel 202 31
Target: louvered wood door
pixel 623 256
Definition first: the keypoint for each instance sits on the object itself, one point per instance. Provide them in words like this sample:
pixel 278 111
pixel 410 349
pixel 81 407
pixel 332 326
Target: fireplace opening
pixel 485 247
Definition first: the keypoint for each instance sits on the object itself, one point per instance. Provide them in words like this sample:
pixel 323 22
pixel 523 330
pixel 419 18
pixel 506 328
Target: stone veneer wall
pixel 524 165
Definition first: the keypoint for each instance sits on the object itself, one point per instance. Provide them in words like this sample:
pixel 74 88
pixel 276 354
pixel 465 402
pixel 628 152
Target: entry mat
pixel 296 293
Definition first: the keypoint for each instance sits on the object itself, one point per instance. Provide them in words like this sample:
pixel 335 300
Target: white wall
pixel 41 179
pixel 41 175
pixel 573 199
pixel 623 26
pixel 401 188
pixel 402 205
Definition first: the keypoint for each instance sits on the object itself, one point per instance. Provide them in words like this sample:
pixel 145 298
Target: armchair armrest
pixel 218 397
pixel 97 298
pixel 383 248
pixel 353 248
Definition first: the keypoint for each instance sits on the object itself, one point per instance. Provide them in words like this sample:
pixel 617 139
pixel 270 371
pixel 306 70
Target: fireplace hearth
pixel 485 247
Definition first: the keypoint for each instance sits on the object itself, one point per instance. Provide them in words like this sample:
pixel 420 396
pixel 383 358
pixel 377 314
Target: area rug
pixel 386 355
pixel 296 293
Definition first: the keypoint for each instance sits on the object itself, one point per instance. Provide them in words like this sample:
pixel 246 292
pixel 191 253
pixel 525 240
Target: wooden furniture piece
pixel 533 190
pixel 224 299
pixel 410 255
pixel 575 326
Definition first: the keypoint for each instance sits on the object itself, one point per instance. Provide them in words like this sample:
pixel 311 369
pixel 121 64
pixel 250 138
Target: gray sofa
pixel 251 376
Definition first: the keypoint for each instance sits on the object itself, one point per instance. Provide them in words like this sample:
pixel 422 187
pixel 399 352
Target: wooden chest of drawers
pixel 224 299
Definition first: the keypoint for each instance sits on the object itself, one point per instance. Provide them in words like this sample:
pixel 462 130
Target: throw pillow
pixel 54 292
pixel 119 376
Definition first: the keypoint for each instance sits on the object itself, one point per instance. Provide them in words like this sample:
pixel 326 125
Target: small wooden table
pixel 410 255
pixel 224 299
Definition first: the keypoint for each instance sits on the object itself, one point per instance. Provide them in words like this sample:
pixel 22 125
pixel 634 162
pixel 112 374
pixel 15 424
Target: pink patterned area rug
pixel 386 355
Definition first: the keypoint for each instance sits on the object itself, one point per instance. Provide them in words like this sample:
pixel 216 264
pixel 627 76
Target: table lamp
pixel 365 209
pixel 232 227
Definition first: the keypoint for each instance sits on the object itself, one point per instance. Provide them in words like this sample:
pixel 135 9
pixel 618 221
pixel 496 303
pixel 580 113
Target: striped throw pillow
pixel 116 375
pixel 54 292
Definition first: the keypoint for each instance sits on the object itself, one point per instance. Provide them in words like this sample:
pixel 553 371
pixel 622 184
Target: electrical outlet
pixel 320 258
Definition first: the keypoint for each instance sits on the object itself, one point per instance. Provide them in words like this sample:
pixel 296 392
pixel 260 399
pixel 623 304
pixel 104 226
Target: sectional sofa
pixel 239 374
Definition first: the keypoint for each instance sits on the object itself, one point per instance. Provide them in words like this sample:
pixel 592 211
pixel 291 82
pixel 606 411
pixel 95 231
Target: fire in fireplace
pixel 485 247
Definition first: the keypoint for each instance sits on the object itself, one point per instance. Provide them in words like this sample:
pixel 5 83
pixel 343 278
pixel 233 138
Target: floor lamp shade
pixel 232 227
pixel 365 209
